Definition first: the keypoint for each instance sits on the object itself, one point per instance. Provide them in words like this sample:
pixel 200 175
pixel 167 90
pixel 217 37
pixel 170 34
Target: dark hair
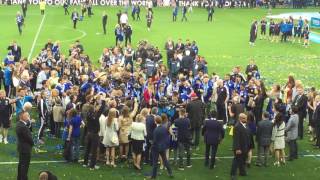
pixel 164 118
pixel 158 120
pixel 266 114
pixel 278 120
pixel 294 109
pixel 154 110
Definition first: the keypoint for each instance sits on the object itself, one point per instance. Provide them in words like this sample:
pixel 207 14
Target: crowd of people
pixel 285 30
pixel 133 106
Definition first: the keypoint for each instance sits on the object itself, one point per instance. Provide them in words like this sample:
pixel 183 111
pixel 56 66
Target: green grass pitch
pixel 224 44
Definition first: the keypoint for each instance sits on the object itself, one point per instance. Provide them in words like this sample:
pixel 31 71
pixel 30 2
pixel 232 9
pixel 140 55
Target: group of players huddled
pixel 286 30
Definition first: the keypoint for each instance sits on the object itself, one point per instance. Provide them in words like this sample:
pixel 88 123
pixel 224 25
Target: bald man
pixel 240 146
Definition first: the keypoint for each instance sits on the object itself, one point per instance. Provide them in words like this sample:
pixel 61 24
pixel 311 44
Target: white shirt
pixel 124 18
pixel 138 131
pixel 41 77
pixel 102 122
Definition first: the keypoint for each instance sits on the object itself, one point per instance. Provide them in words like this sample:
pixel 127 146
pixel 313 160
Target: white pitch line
pixel 36 37
pixel 194 158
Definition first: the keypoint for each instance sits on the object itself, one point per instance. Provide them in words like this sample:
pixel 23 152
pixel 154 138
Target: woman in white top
pixel 278 139
pixel 138 134
pixel 110 137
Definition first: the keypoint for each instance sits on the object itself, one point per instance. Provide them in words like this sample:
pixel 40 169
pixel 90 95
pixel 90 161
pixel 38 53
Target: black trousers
pixel 293 149
pixel 213 148
pixel 195 132
pixel 20 28
pixel 128 38
pixel 24 12
pixel 42 12
pixel 300 127
pixel 184 17
pixel 23 166
pixel 89 11
pixel 104 26
pixel 92 143
pixel 66 12
pixel 8 90
pixel 221 112
pixel 43 125
pixel 57 128
pixel 52 124
pixel 75 24
pixel 155 159
pixel 174 18
pixel 138 16
pixel 284 37
pixel 133 15
pixel 210 17
pixel 148 153
pixel 184 148
pixel 239 162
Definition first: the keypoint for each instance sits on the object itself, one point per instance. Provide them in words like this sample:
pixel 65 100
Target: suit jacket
pixel 240 138
pixel 15 52
pixel 183 127
pixel 212 131
pixel 301 103
pixel 316 116
pixel 186 63
pixel 264 132
pixel 150 126
pixel 196 112
pixel 25 141
pixel 161 138
pixel 292 127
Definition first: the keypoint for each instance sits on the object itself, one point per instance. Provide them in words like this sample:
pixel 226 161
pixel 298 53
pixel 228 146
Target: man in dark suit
pixel 25 143
pixel 183 137
pixel 263 137
pixel 222 95
pixel 186 63
pixel 104 22
pixel 196 112
pixel 15 50
pixel 127 34
pixel 301 101
pixel 240 146
pixel 24 7
pixel 150 126
pixel 159 147
pixel 213 133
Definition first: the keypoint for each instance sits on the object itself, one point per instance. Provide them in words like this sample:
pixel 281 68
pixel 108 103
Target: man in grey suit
pixel 263 138
pixel 292 133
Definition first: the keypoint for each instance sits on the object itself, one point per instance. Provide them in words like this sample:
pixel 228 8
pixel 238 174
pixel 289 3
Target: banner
pixel 194 3
pixel 315 22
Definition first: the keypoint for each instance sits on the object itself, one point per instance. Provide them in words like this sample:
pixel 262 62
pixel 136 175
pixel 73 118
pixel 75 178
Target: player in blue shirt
pixel 175 13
